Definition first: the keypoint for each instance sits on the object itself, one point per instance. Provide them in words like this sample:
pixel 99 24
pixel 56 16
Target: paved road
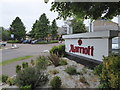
pixel 26 49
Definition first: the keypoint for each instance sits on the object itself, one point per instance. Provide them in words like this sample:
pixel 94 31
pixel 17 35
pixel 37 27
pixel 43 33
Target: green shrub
pixel 110 76
pixel 24 65
pixel 4 78
pixel 31 76
pixel 53 41
pixel 54 59
pixel 71 70
pixel 41 62
pixel 10 81
pixel 13 41
pixel 63 62
pixel 32 62
pixel 56 82
pixel 98 70
pixel 18 68
pixel 28 87
pixel 59 50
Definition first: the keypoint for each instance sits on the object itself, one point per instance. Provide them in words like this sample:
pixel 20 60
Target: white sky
pixel 28 10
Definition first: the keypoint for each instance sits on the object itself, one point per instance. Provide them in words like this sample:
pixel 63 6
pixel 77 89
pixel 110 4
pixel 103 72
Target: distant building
pixel 101 25
pixel 62 30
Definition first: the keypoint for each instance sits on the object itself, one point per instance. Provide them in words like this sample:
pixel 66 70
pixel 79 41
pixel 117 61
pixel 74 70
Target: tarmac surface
pixel 23 50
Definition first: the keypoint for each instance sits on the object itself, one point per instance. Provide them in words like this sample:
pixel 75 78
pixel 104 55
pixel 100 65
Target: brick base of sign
pixel 91 63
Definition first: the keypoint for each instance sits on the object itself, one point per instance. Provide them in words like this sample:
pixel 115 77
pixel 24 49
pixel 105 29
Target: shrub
pixel 54 59
pixel 30 76
pixel 56 82
pixel 98 70
pixel 110 76
pixel 18 68
pixel 4 78
pixel 13 41
pixel 24 65
pixel 60 50
pixel 71 70
pixel 28 87
pixel 32 62
pixel 63 62
pixel 41 62
pixel 10 81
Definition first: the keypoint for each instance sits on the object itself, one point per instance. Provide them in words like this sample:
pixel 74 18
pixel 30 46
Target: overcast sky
pixel 28 10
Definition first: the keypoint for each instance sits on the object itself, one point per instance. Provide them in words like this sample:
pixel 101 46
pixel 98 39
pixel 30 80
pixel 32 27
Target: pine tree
pixel 18 29
pixel 54 29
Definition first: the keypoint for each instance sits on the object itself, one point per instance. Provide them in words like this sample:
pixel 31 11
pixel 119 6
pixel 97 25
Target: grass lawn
pixel 14 60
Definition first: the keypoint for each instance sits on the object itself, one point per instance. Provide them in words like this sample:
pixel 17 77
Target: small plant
pixel 54 58
pixel 4 78
pixel 56 82
pixel 83 80
pixel 18 68
pixel 71 70
pixel 63 62
pixel 41 62
pixel 32 62
pixel 24 65
pixel 60 50
pixel 54 71
pixel 10 81
pixel 31 76
pixel 28 87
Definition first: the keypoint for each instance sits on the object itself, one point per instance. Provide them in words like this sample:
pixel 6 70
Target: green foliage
pixel 54 58
pixel 18 29
pixel 24 65
pixel 54 29
pixel 110 76
pixel 31 77
pixel 10 81
pixel 86 10
pixel 63 62
pixel 47 42
pixel 59 50
pixel 56 82
pixel 18 68
pixel 78 26
pixel 32 62
pixel 13 41
pixel 41 62
pixel 98 70
pixel 4 34
pixel 28 87
pixel 71 70
pixel 4 78
pixel 40 28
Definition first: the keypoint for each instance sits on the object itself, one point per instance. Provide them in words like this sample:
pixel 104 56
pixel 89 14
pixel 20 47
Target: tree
pixel 54 29
pixel 41 27
pixel 18 29
pixel 78 26
pixel 86 10
pixel 33 31
pixel 5 34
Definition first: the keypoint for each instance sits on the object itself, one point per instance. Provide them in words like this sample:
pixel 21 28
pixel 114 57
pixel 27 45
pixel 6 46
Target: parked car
pixel 3 43
pixel 26 41
pixel 34 41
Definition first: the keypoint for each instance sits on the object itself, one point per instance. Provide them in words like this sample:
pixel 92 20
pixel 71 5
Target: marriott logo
pixel 83 50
